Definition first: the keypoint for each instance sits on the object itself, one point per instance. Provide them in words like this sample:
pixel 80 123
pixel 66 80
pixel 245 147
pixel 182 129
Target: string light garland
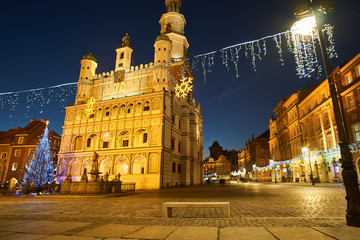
pixel 302 47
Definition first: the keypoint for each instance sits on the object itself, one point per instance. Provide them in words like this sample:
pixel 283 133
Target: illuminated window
pixel 31 151
pixel 357 69
pixel 350 101
pixel 348 78
pixel 14 167
pixel 21 140
pixel 17 153
pixel 356 132
pixel 78 143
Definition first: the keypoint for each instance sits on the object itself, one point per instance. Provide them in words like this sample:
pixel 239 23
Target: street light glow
pixel 304 26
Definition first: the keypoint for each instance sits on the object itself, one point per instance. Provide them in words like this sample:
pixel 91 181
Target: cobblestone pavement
pixel 251 204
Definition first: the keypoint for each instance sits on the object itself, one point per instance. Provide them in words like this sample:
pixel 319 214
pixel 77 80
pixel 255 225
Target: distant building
pixel 257 154
pixel 18 144
pixel 232 155
pixel 220 166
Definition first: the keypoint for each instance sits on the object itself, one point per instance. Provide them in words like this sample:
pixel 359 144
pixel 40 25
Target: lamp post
pixel 314 9
pixel 306 150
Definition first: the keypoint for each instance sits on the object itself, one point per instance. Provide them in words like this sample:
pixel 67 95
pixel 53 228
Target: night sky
pixel 42 43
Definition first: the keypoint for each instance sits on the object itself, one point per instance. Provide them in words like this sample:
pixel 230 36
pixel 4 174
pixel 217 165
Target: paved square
pixel 153 232
pixel 110 231
pixel 257 211
pixel 191 233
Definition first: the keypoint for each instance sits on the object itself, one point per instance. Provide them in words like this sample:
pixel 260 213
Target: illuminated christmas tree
pixel 39 169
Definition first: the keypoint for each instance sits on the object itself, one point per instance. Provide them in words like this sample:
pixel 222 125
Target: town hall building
pixel 133 119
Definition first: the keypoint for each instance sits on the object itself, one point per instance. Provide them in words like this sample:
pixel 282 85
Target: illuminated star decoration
pixel 90 107
pixel 183 88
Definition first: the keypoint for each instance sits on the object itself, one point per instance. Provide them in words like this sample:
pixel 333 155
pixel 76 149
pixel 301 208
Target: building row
pixel 303 136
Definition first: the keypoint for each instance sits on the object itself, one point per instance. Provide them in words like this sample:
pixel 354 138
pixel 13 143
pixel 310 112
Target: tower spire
pixel 173 5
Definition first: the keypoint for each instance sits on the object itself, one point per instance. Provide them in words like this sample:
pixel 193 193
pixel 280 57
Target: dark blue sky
pixel 43 41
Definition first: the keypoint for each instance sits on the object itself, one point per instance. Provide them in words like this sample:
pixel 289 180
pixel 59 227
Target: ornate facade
pixel 348 84
pixel 132 118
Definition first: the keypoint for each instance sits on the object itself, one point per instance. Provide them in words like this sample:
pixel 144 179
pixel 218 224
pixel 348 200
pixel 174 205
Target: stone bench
pixel 167 207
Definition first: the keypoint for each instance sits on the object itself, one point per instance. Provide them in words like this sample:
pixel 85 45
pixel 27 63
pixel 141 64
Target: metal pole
pixel 349 174
pixel 311 171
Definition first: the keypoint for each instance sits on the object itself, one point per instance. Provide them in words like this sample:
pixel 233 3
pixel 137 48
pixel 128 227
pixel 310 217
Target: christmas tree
pixel 39 169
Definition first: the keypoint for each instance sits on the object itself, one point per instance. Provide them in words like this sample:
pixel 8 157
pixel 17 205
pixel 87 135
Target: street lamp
pixel 314 9
pixel 306 150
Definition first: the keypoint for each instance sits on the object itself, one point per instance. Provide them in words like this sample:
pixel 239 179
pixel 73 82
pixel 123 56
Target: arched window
pixel 74 168
pixel 141 137
pixel 138 107
pixel 124 139
pixel 78 141
pixel 156 104
pixel 122 109
pixel 121 166
pixel 130 108
pixel 91 141
pixel 139 165
pixel 104 167
pixel 107 111
pixel 146 106
pixel 87 167
pixel 106 140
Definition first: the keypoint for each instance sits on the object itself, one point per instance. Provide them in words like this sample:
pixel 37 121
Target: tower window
pixel 121 64
pixel 122 55
pixel 159 49
pixel 164 49
pixel 88 67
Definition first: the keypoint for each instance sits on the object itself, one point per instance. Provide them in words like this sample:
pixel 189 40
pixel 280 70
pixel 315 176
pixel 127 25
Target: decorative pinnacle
pixel 126 40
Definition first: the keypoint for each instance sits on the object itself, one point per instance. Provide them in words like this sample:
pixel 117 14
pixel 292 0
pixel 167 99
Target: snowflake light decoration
pixel 90 107
pixel 183 88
